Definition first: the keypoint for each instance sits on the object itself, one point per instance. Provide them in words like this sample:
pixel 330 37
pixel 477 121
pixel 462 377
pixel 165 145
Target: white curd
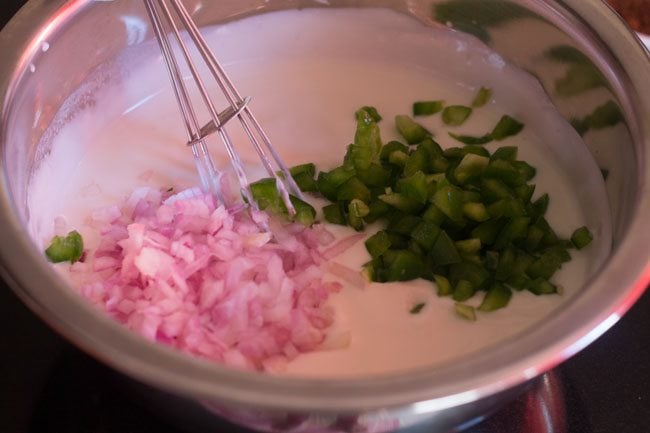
pixel 308 71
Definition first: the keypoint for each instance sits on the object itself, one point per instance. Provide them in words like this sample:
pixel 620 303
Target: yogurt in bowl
pixel 309 70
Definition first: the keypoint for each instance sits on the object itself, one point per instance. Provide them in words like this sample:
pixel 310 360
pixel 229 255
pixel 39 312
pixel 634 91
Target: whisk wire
pixel 208 174
pixel 247 118
pixel 238 108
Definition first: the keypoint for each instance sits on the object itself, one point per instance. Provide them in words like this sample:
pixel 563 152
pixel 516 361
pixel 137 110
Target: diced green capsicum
pixel 402 265
pixel 303 175
pixel 465 311
pixel 67 248
pixel 496 297
pixel 378 244
pixel 427 108
pixel 455 115
pixel 367 141
pixel 506 127
pixel 581 237
pixel 482 97
pixel 412 131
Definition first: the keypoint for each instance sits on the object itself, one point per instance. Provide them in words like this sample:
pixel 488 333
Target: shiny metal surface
pixel 56 53
pixel 164 22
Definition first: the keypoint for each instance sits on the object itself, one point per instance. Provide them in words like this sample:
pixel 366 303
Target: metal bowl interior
pixel 51 47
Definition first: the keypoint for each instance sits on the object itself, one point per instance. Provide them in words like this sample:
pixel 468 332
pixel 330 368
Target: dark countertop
pixel 47 385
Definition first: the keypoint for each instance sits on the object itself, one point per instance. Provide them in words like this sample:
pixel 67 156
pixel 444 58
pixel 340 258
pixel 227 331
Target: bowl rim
pixel 599 308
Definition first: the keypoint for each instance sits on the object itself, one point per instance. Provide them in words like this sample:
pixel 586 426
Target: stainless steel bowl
pixel 52 46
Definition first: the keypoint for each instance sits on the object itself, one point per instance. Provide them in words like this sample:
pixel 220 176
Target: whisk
pixel 166 27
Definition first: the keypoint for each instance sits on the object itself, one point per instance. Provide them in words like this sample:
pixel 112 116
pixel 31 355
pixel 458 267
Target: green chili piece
pixel 488 231
pixel 425 234
pixel 471 196
pixel 463 291
pixel 468 246
pixel 433 214
pixel 305 182
pixel 470 167
pixel 391 147
pixel 398 158
pixel 522 261
pixel 506 127
pixel 455 115
pixel 303 175
pixel 369 270
pixel 372 112
pixel 460 152
pixel 550 238
pixel 266 194
pixel 509 207
pixel 496 297
pixel 476 274
pixel 432 147
pixel 378 244
pixel 466 312
pixel 545 266
pixel 402 265
pixel 539 206
pixel 398 241
pixel 494 189
pixel 377 209
pixel 476 150
pixel 526 170
pixel 444 287
pixel 449 200
pixel 353 188
pixel 374 175
pixel 491 260
pixel 506 264
pixel 560 252
pixel 419 160
pixel 509 153
pixel 334 214
pixel 475 211
pixel 308 168
pixel 413 246
pixel 417 308
pixel 402 224
pixel 470 139
pixel 356 211
pixel 65 249
pixel 439 165
pixel 516 228
pixel 367 142
pixel 415 187
pixel 412 131
pixel 540 286
pixel 358 208
pixel 581 237
pixel 534 238
pixel 401 202
pixel 525 192
pixel 482 97
pixel 505 171
pixel 444 251
pixel 453 153
pixel 329 182
pixel 518 282
pixel 427 108
pixel 305 213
